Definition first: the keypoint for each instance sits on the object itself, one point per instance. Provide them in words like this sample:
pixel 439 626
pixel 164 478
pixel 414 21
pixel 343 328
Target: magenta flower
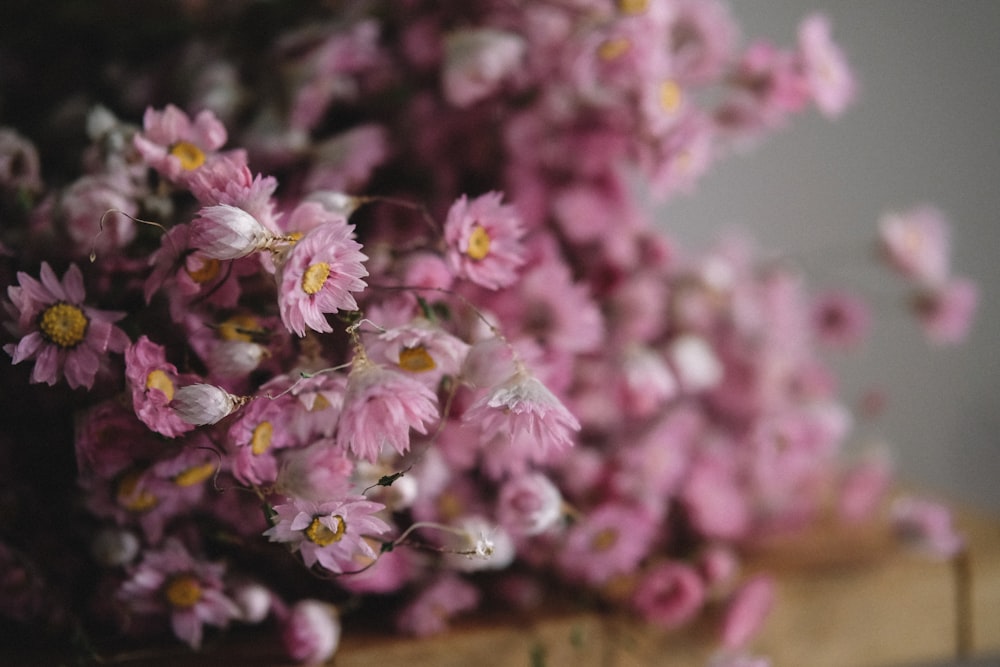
pixel 172 581
pixel 320 273
pixel 669 594
pixel 331 533
pixel 380 408
pixel 153 382
pixel 173 144
pixel 840 319
pixel 64 337
pixel 484 240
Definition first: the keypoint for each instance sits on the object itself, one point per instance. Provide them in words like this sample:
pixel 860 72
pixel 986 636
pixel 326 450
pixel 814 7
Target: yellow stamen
pixel 670 96
pixel 183 591
pixel 195 475
pixel 604 540
pixel 416 359
pixel 260 441
pixel 320 534
pixel 190 156
pixel 207 270
pixel 158 379
pixel 633 6
pixel 131 497
pixel 479 243
pixel 63 324
pixel 614 48
pixel 239 327
pixel 315 277
pixel 319 403
pixel 449 506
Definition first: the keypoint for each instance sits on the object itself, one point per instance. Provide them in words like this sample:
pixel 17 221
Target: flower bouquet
pixel 366 312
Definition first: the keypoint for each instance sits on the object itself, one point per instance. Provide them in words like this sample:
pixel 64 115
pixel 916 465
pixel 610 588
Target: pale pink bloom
pixel 319 472
pixel 769 86
pixel 477 61
pixel 946 312
pixel 63 336
pixel 330 533
pixel 345 161
pixel 716 504
pixel 320 272
pixel 647 382
pixel 85 205
pixel 917 243
pixel 484 240
pixel 421 349
pixel 840 319
pixel 520 422
pixel 424 269
pixel 669 594
pixel 433 607
pixel 255 436
pixel 829 77
pixel 189 590
pixel 717 565
pixel 746 612
pixel 173 144
pixel 702 35
pixel 234 359
pixel 609 540
pixel 228 232
pixel 697 366
pixel 254 600
pixel 20 168
pixel 201 404
pixel 928 526
pixel 311 631
pixel 153 382
pixel 390 573
pixel 529 504
pixel 380 407
pixel 228 180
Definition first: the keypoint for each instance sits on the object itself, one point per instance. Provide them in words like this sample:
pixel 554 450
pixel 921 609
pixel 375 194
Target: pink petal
pixel 52 283
pixel 81 367
pixel 46 365
pixel 27 347
pixel 72 283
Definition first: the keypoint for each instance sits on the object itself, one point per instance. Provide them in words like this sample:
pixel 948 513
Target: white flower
pixel 228 232
pixel 201 404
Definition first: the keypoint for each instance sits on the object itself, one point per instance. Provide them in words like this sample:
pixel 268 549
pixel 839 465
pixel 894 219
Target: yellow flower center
pixel 479 243
pixel 190 156
pixel 604 539
pixel 63 324
pixel 195 475
pixel 158 379
pixel 131 497
pixel 416 359
pixel 260 441
pixel 183 591
pixel 670 96
pixel 633 6
pixel 239 327
pixel 203 272
pixel 319 403
pixel 319 533
pixel 614 48
pixel 314 277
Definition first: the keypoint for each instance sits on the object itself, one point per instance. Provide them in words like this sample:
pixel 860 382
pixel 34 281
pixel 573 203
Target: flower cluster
pixel 437 335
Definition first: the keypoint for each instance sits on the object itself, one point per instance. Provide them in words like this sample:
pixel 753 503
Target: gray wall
pixel 926 128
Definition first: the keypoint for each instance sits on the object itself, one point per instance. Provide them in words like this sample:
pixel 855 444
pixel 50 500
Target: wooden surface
pixel 846 598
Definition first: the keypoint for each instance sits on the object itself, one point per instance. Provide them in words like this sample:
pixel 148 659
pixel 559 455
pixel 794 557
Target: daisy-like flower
pixel 521 421
pixel 320 272
pixel 153 382
pixel 380 408
pixel 331 533
pixel 63 336
pixel 174 145
pixel 484 240
pixel 190 591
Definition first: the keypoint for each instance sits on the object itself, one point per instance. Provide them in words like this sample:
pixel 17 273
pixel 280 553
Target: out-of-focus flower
pixel 484 240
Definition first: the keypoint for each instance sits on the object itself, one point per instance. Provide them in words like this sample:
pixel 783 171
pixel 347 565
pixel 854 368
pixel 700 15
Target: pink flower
pixel 171 581
pixel 228 232
pixel 669 594
pixel 612 539
pixel 484 240
pixel 916 243
pixel 311 631
pixel 840 319
pixel 927 526
pixel 320 272
pixel 380 408
pixel 829 77
pixel 174 145
pixel 946 312
pixel 477 61
pixel 153 382
pixel 433 607
pixel 746 612
pixel 330 533
pixel 519 422
pixel 529 504
pixel 63 336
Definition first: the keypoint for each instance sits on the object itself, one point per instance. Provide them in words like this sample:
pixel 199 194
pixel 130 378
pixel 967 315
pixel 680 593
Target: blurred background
pixel 924 129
